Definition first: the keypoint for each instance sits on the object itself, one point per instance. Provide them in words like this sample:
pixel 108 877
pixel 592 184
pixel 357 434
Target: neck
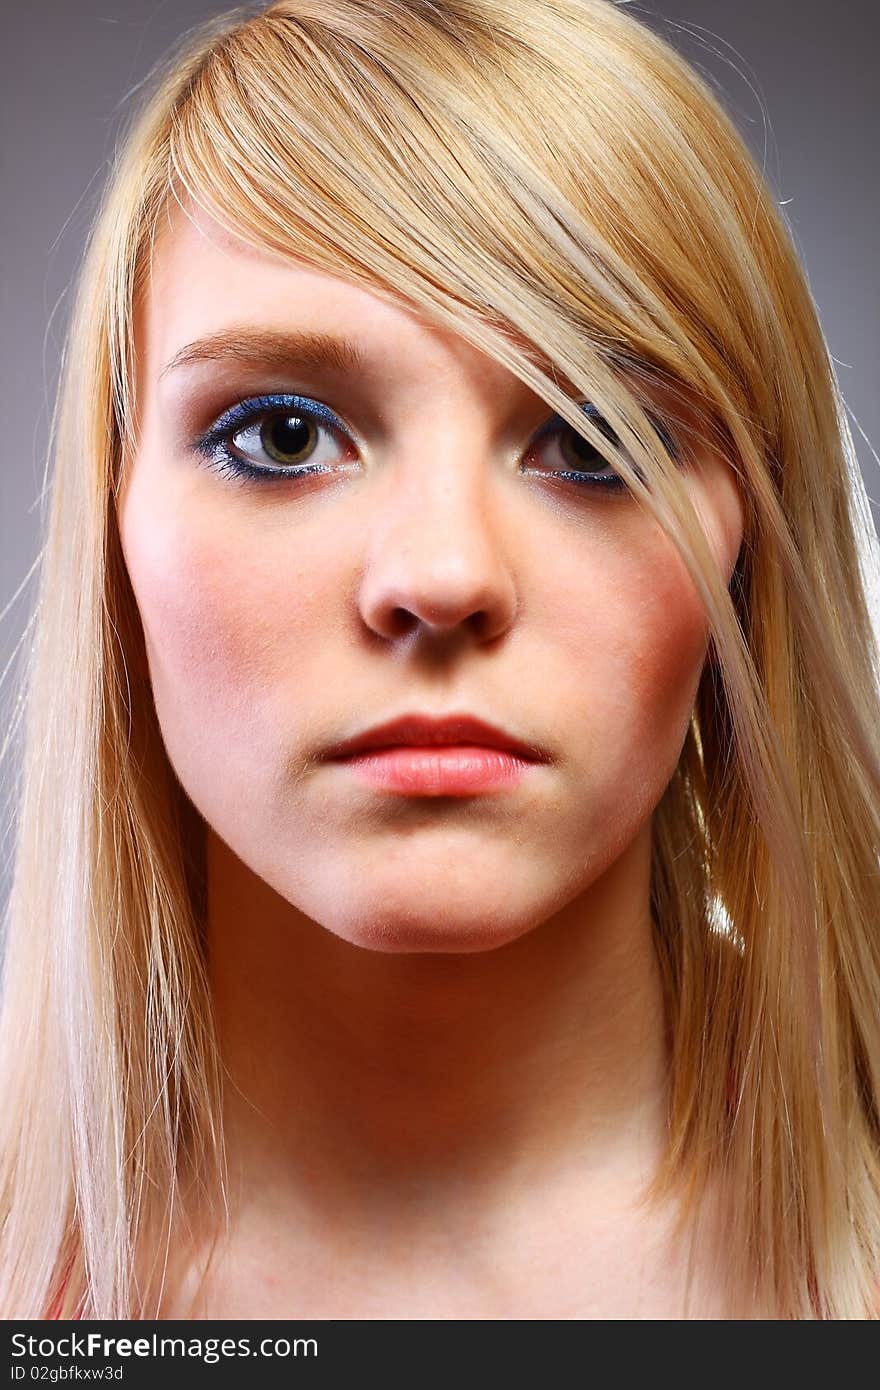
pixel 361 1077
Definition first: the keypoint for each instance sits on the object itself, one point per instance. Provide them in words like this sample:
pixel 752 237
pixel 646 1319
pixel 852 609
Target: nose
pixel 437 561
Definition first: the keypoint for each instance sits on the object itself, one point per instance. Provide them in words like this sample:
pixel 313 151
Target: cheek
pixel 636 632
pixel 669 634
pixel 668 645
pixel 223 636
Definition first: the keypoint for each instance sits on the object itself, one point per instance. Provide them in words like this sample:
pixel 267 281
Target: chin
pixel 405 901
pixel 396 927
pixel 412 938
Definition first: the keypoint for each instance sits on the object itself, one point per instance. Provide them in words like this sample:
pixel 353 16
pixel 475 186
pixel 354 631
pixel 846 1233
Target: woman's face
pixel 435 566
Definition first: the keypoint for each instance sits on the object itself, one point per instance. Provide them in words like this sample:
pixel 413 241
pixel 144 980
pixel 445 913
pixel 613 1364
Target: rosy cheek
pixel 642 649
pixel 194 613
pixel 672 659
pixel 231 616
pixel 676 629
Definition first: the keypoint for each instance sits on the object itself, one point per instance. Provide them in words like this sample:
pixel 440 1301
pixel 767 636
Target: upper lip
pixel 426 730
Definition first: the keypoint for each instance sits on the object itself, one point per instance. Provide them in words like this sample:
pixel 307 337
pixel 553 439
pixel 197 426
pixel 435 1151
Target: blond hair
pixel 614 232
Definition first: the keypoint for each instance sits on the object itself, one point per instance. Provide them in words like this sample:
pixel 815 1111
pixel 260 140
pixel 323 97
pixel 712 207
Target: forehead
pixel 204 280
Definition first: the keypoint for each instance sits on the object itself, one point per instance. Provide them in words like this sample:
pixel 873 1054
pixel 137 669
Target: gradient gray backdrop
pixel 798 76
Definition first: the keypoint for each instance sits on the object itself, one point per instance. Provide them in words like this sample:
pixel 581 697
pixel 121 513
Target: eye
pixel 297 436
pixel 276 436
pixel 579 461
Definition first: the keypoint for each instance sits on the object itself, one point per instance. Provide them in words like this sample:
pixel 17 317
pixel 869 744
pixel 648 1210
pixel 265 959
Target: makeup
pixel 447 770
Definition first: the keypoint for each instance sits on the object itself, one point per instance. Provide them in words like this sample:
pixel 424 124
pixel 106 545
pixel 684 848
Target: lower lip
pixel 447 770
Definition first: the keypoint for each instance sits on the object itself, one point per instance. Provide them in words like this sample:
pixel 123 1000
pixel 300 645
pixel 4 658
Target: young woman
pixel 447 864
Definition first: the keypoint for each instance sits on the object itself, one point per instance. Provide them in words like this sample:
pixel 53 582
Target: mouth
pixel 451 755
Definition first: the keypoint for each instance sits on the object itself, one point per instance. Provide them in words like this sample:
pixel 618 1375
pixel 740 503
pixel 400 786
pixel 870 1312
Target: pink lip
pixel 423 755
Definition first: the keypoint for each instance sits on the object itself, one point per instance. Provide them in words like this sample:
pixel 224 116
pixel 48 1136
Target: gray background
pixel 798 76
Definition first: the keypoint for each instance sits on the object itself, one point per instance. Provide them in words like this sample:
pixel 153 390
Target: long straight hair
pixel 553 182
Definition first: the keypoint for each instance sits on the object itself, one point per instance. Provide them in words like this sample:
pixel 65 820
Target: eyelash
pixel 215 444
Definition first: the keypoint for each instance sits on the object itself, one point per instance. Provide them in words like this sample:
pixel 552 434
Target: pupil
pixel 584 451
pixel 289 435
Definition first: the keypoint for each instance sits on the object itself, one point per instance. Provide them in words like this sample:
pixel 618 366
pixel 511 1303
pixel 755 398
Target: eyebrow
pixel 267 348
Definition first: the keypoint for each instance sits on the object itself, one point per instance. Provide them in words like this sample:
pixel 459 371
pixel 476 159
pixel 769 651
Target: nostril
pixel 402 621
pixel 480 622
